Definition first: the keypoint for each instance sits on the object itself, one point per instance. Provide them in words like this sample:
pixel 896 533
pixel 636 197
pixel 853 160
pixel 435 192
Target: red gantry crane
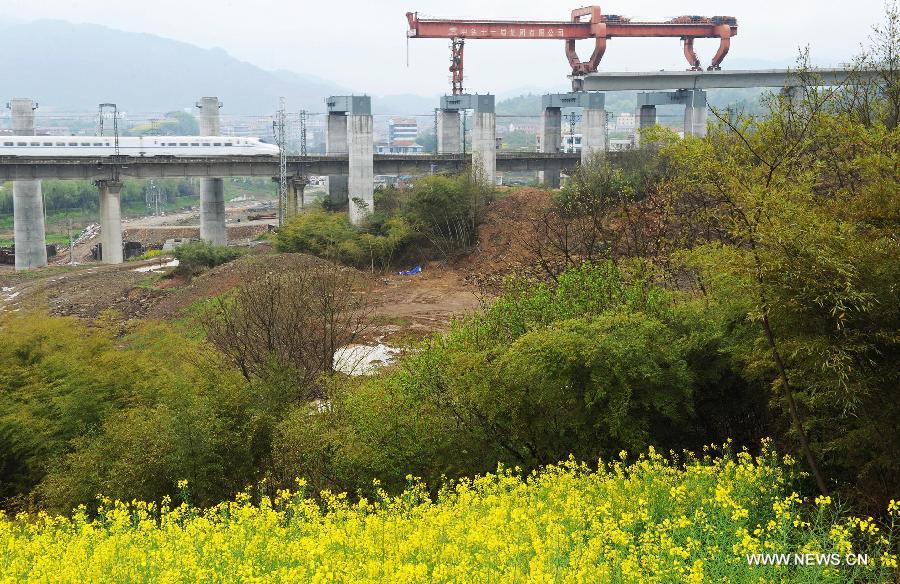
pixel 586 23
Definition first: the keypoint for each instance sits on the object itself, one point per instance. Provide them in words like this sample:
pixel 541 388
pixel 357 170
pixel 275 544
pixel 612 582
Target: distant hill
pixel 73 67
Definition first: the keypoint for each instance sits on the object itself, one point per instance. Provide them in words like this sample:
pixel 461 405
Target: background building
pixel 402 130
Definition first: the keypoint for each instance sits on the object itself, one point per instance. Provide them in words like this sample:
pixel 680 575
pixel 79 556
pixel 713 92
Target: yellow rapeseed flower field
pixel 654 520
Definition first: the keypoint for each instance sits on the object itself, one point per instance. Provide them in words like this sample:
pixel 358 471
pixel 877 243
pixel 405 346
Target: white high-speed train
pixel 94 146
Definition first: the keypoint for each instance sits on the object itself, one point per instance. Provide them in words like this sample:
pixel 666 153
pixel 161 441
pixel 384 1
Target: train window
pixel 217 143
pixel 73 143
pixel 35 143
pixel 206 144
pixel 21 143
pixel 195 143
pixel 98 143
pixel 9 143
pixel 48 143
pixel 85 143
pixel 182 144
pixel 229 144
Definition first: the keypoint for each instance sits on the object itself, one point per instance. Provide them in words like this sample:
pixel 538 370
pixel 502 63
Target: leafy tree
pixel 801 207
pixel 288 323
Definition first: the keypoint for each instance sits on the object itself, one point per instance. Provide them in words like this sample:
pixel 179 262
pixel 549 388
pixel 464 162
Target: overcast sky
pixel 363 45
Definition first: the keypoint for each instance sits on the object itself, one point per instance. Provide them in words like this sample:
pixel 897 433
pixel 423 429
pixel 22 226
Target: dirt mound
pixel 502 249
pixel 222 279
pixel 157 235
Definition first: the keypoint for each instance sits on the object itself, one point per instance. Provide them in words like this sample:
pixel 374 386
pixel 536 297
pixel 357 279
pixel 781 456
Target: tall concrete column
pixel 449 139
pixel 484 146
pixel 336 143
pixel 297 192
pixel 646 118
pixel 28 202
pixel 361 186
pixel 291 204
pixel 551 142
pixel 593 133
pixel 110 221
pixel 484 133
pixel 695 113
pixel 212 190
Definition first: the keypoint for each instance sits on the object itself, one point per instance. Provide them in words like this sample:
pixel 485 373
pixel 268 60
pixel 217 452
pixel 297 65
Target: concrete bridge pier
pixel 593 120
pixel 693 100
pixel 360 144
pixel 484 134
pixel 297 190
pixel 695 113
pixel 646 118
pixel 336 143
pixel 212 190
pixel 449 134
pixel 28 201
pixel 551 141
pixel 484 146
pixel 593 126
pixel 110 221
pixel 361 186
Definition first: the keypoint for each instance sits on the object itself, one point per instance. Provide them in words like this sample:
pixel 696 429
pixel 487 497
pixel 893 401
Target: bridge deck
pixel 95 168
pixel 663 80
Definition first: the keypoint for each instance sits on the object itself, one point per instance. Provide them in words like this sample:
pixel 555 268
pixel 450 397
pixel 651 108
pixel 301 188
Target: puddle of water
pixel 154 268
pixel 363 359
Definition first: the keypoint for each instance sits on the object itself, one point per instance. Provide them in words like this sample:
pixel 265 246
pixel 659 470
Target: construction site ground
pixel 403 307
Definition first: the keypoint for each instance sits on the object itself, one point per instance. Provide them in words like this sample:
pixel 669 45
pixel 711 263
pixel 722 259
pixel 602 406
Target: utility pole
pixel 71 244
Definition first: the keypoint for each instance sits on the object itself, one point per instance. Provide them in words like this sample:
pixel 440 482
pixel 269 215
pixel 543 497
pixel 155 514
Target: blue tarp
pixel 412 272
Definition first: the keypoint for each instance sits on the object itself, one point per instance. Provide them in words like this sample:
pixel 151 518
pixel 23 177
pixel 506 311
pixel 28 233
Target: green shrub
pixel 84 411
pixel 446 210
pixel 332 236
pixel 196 256
pixel 589 366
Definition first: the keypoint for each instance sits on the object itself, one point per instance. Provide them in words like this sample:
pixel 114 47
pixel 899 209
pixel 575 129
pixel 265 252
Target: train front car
pixel 138 146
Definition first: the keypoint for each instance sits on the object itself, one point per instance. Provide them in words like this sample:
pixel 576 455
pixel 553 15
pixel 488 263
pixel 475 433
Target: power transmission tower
pixel 302 132
pixel 573 119
pixel 281 139
pixel 115 117
pixel 154 197
pixel 465 115
pixel 436 130
pixel 303 178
